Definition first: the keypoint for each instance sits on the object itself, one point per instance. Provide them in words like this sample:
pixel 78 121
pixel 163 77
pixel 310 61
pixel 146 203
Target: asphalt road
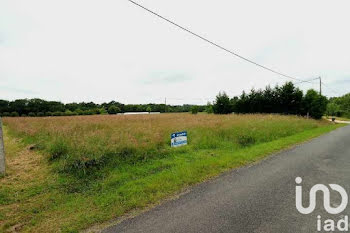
pixel 258 198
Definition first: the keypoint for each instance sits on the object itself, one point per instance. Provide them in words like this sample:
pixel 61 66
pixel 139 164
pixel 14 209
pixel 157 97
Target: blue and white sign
pixel 179 139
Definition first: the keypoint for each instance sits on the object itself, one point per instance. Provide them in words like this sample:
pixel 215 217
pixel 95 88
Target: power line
pixel 304 81
pixel 332 90
pixel 215 44
pixel 227 50
pixel 325 85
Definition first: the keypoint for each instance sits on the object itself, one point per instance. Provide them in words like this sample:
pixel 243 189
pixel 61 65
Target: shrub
pixel 113 110
pixel 57 114
pixel 23 115
pixel 209 109
pixel 31 114
pixel 79 112
pixel 194 109
pixel 5 114
pixel 48 113
pixel 88 112
pixel 103 111
pixel 14 114
pixel 40 114
pixel 68 113
pixel 96 111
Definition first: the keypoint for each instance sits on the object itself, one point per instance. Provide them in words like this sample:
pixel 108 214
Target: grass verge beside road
pixel 37 196
pixel 337 118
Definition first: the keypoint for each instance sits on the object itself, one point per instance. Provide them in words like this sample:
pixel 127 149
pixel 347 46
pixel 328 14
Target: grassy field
pixel 69 173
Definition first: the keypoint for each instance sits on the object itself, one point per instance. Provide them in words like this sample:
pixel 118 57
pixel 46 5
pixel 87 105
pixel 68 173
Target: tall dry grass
pixel 83 143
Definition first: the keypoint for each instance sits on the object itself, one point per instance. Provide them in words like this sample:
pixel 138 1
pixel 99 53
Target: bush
pixel 113 110
pixel 209 109
pixel 14 114
pixel 96 111
pixel 68 113
pixel 88 112
pixel 194 109
pixel 57 114
pixel 23 115
pixel 79 112
pixel 40 114
pixel 48 113
pixel 5 114
pixel 102 111
pixel 31 114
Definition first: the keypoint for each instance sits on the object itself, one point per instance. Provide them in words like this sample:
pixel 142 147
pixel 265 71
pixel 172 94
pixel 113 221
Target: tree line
pixel 40 107
pixel 339 106
pixel 285 99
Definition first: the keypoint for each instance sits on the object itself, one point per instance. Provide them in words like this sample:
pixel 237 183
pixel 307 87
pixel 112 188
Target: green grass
pixel 36 196
pixel 85 145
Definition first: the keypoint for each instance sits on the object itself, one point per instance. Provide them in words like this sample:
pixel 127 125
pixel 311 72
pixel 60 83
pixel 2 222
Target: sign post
pixel 2 151
pixel 179 139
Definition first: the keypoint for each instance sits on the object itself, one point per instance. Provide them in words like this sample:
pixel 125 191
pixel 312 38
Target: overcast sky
pixel 72 50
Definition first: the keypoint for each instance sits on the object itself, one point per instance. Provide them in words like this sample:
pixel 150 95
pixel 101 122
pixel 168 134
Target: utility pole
pixel 2 152
pixel 320 85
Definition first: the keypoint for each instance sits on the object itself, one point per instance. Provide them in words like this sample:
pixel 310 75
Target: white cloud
pixel 102 50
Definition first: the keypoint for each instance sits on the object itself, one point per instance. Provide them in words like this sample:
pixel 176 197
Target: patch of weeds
pixel 58 149
pixel 246 140
pixel 2 216
pixel 4 197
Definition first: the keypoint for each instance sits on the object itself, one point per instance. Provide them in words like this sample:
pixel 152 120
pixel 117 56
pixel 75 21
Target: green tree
pixel 290 98
pixel 314 104
pixel 68 113
pixel 209 108
pixel 113 110
pixel 103 111
pixel 222 104
pixel 333 109
pixel 194 109
pixel 4 106
pixel 344 104
pixel 79 111
pixel 5 114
